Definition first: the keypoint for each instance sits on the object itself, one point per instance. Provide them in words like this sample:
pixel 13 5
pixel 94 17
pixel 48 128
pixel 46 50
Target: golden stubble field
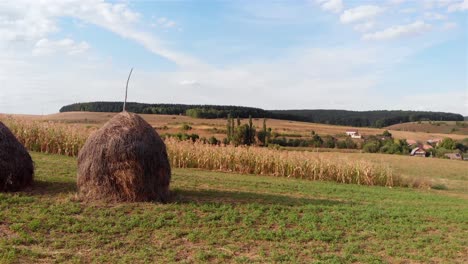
pixel 216 127
pixel 441 127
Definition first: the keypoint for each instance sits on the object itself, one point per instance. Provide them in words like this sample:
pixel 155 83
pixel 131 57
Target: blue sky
pixel 315 54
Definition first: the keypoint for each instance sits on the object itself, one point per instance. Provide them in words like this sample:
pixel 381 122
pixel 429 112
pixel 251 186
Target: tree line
pixel 377 119
pixel 380 118
pixel 196 111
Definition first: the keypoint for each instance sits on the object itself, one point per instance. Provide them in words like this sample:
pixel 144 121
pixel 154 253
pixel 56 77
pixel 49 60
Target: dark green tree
pixel 263 135
pixel 229 128
pixel 447 143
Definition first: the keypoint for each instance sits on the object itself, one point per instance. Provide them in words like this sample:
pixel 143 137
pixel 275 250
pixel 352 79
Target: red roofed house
pixel 427 147
pixel 418 152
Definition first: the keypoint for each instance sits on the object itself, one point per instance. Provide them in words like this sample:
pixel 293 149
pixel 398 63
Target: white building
pixel 353 134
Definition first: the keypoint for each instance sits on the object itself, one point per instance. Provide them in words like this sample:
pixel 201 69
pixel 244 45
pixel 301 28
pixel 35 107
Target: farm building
pixel 427 147
pixel 418 152
pixel 411 142
pixel 353 134
pixel 454 156
pixel 434 142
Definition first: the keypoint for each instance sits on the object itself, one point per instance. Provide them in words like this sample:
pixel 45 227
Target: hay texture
pixel 16 165
pixel 125 160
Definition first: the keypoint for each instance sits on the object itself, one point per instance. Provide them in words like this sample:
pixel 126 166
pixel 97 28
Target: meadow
pixel 223 217
pixel 239 205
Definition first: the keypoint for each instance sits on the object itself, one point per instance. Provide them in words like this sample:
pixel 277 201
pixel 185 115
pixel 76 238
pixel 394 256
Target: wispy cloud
pixel 163 22
pixel 364 27
pixel 189 82
pixel 331 5
pixel 32 21
pixel 360 13
pixel 394 32
pixel 47 47
pixel 449 25
pixel 460 6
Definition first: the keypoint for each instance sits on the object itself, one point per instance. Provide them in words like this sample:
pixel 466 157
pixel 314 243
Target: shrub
pixel 213 141
pixel 186 127
pixel 371 147
pixel 386 133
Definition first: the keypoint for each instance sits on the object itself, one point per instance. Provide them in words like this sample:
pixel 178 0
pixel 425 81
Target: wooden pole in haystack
pixel 126 90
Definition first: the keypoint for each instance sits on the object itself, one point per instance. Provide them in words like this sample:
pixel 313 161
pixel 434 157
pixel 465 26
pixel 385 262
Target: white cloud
pixel 449 25
pixel 364 27
pixel 408 10
pixel 434 16
pixel 394 32
pixel 397 2
pixel 460 6
pixel 331 5
pixel 189 82
pixel 163 22
pixel 34 20
pixel 360 13
pixel 47 47
pixel 348 73
pixel 20 23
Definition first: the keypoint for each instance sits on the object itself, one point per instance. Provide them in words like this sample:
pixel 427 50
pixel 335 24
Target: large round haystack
pixel 16 165
pixel 125 160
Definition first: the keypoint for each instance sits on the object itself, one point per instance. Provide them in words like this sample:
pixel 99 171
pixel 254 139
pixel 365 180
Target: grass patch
pixel 221 217
pixel 439 187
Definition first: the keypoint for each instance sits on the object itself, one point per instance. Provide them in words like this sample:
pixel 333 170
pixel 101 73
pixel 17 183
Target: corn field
pixel 49 137
pixel 264 161
pixel 67 140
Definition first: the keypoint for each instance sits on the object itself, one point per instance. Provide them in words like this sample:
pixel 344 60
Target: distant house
pixel 411 142
pixel 353 134
pixel 454 156
pixel 418 152
pixel 434 142
pixel 427 147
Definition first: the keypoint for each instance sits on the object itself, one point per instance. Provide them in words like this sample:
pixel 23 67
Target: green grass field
pixel 220 217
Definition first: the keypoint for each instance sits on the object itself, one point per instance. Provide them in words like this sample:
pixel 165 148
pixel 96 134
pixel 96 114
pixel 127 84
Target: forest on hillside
pixel 381 118
pixel 196 111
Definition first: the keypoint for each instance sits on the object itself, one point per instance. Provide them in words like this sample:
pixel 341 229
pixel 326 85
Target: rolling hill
pixel 443 127
pixel 334 117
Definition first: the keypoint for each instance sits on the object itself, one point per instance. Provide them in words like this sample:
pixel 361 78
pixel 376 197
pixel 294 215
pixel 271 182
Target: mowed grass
pixel 220 217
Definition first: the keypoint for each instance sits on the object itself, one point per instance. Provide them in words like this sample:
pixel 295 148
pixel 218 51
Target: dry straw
pixel 291 164
pixel 16 166
pixel 125 160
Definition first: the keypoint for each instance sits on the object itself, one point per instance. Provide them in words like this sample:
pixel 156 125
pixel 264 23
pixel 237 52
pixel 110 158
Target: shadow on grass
pixel 232 197
pixel 52 188
pixel 197 196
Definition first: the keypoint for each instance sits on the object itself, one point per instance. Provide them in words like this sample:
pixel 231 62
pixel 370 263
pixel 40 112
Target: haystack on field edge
pixel 67 139
pixel 125 160
pixel 16 165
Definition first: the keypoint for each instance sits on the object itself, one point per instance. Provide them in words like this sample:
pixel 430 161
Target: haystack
pixel 16 165
pixel 125 160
